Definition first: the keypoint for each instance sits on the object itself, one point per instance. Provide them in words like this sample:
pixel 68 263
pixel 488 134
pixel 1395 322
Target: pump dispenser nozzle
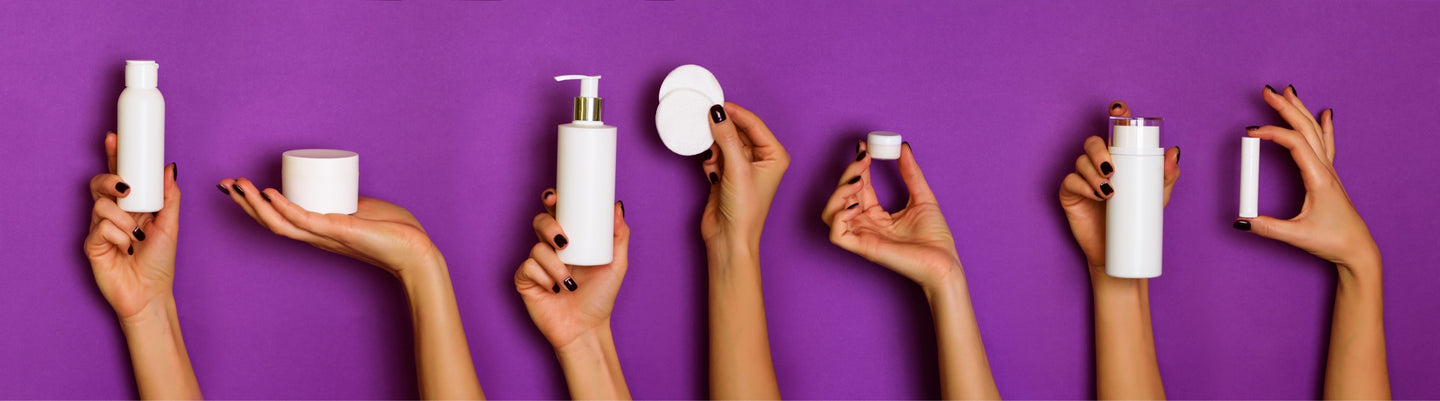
pixel 587 105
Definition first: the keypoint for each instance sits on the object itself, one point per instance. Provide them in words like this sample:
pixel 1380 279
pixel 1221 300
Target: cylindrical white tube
pixel 883 145
pixel 140 130
pixel 321 180
pixel 586 185
pixel 1249 177
pixel 1134 216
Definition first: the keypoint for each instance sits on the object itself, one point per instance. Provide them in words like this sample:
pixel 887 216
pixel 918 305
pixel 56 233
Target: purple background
pixel 452 107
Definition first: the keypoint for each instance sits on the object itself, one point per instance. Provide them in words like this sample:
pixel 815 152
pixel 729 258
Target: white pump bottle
pixel 586 180
pixel 1134 217
pixel 140 153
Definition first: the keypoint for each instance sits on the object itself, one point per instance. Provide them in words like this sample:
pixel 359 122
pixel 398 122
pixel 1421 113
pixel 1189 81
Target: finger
pixel 549 231
pixel 543 254
pixel 1099 153
pixel 106 209
pixel 1293 96
pixel 737 160
pixel 298 223
pixel 1172 170
pixel 844 196
pixel 867 187
pixel 106 236
pixel 530 272
pixel 549 199
pixel 167 220
pixel 757 134
pixel 1118 108
pixel 914 178
pixel 1327 133
pixel 108 186
pixel 1075 185
pixel 840 226
pixel 1299 121
pixel 1097 182
pixel 238 195
pixel 1269 227
pixel 112 142
pixel 1312 170
pixel 711 165
pixel 622 238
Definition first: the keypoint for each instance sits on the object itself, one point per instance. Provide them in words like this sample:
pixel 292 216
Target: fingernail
pixel 1268 88
pixel 122 187
pixel 555 289
pixel 1115 106
pixel 1293 91
pixel 546 195
pixel 853 180
pixel 139 235
pixel 714 179
pixel 857 147
pixel 1177 154
pixel 130 250
pixel 238 190
pixel 622 208
pixel 907 145
pixel 264 196
pixel 570 284
pixel 222 189
pixel 175 171
pixel 706 155
pixel 1106 169
pixel 1097 194
pixel 1242 225
pixel 717 113
pixel 861 156
pixel 1252 128
pixel 1332 114
pixel 1106 189
pixel 560 241
pixel 852 206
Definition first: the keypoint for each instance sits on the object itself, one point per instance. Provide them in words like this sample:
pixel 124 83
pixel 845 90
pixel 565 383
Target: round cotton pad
pixel 693 77
pixel 680 118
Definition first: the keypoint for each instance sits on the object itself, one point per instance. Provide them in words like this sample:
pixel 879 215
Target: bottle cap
pixel 1135 135
pixel 686 96
pixel 883 145
pixel 588 104
pixel 321 180
pixel 141 74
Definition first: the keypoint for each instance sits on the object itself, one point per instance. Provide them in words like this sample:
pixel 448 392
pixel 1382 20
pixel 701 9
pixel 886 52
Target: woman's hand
pixel 1083 193
pixel 379 233
pixel 915 241
pixel 132 254
pixel 1328 225
pixel 744 167
pixel 567 302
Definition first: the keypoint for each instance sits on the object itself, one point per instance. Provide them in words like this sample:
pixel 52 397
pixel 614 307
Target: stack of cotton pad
pixel 685 100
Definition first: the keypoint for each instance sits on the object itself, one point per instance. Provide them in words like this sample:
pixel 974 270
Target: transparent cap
pixel 1136 133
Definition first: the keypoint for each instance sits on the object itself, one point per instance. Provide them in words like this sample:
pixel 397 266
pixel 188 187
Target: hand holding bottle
pixel 744 167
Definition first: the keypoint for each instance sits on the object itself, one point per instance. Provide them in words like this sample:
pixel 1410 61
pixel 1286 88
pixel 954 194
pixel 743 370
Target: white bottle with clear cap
pixel 140 130
pixel 585 180
pixel 1135 215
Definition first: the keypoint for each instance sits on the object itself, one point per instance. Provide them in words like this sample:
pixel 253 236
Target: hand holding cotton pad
pixel 686 96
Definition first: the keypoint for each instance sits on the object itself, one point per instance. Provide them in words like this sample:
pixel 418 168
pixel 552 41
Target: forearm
pixel 592 367
pixel 740 364
pixel 964 369
pixel 1355 368
pixel 1126 366
pixel 442 355
pixel 157 353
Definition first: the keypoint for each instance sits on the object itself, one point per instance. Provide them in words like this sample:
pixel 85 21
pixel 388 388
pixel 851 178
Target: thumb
pixel 1269 227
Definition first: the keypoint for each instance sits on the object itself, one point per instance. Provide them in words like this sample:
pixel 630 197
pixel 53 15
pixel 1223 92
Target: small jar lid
pixel 884 145
pixel 321 180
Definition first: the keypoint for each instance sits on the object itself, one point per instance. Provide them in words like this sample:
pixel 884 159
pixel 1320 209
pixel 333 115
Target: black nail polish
pixel 857 147
pixel 717 113
pixel 130 250
pixel 1177 155
pixel 1097 194
pixel 714 179
pixel 264 196
pixel 1106 169
pixel 1242 225
pixel 238 190
pixel 1106 189
pixel 1116 106
pixel 1252 128
pixel 122 187
pixel 1293 91
pixel 1332 114
pixel 222 189
pixel 907 145
pixel 555 289
pixel 560 241
pixel 1269 88
pixel 175 171
pixel 852 180
pixel 570 282
pixel 622 208
pixel 707 154
pixel 139 235
pixel 852 206
pixel 861 156
pixel 546 195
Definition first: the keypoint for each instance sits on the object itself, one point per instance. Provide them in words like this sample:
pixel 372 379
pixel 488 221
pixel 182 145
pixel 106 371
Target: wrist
pixel 425 268
pixel 589 345
pixel 158 312
pixel 950 278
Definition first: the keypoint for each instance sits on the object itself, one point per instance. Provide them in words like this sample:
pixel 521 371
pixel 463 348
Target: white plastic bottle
pixel 1134 216
pixel 586 180
pixel 140 154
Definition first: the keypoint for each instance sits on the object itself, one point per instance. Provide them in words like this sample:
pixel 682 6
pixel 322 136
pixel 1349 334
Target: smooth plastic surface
pixel 1134 215
pixel 681 120
pixel 321 180
pixel 586 184
pixel 883 145
pixel 140 131
pixel 1249 177
pixel 589 84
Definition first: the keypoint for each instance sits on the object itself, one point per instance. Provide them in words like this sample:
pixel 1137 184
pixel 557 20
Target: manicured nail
pixel 570 284
pixel 1115 106
pixel 130 250
pixel 238 190
pixel 122 187
pixel 1252 128
pixel 222 189
pixel 1271 89
pixel 1242 225
pixel 264 196
pixel 560 240
pixel 853 180
pixel 861 156
pixel 1177 155
pixel 175 171
pixel 1106 189
pixel 857 146
pixel 907 145
pixel 852 206
pixel 1332 114
pixel 546 195
pixel 622 208
pixel 1097 194
pixel 1106 169
pixel 555 289
pixel 1293 91
pixel 139 235
pixel 714 179
pixel 706 155
pixel 717 114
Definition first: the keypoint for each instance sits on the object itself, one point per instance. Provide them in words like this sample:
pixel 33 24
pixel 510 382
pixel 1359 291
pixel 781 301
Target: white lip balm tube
pixel 1249 177
pixel 140 131
pixel 321 180
pixel 1134 216
pixel 883 145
